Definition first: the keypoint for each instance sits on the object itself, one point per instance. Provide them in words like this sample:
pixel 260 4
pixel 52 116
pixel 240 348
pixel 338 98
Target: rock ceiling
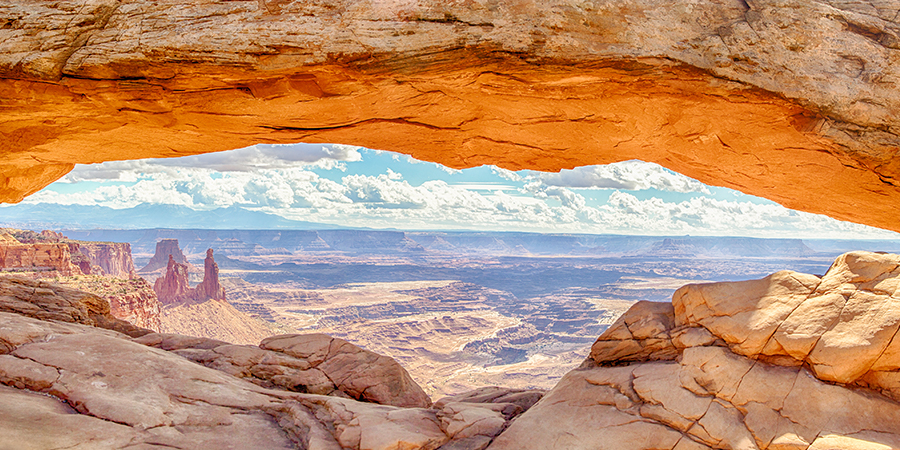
pixel 795 101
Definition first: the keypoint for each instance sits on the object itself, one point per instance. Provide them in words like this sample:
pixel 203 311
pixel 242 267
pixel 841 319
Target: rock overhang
pixel 792 101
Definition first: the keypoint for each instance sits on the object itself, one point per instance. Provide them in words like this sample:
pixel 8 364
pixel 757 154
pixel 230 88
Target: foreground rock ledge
pixel 796 101
pixel 791 361
pixel 67 384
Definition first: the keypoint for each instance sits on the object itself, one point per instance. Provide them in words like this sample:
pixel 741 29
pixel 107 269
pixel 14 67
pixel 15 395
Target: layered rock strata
pixel 82 258
pixel 49 301
pixel 791 361
pixel 766 96
pixel 36 257
pixel 108 258
pixel 174 288
pixel 131 299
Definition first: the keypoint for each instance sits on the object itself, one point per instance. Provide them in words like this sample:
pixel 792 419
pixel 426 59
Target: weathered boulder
pixel 766 96
pixel 48 301
pixel 314 363
pixel 474 418
pixel 107 391
pixel 790 361
pixel 841 326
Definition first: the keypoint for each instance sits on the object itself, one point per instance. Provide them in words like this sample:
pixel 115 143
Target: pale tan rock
pixel 366 426
pixel 357 372
pixel 26 374
pixel 692 337
pixel 843 326
pixel 658 383
pixel 49 301
pixel 466 420
pixel 641 334
pixel 833 442
pixel 582 414
pixel 745 314
pixel 720 397
pixel 129 395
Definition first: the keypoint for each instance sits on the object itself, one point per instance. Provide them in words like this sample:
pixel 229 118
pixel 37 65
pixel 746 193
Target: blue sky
pixel 351 186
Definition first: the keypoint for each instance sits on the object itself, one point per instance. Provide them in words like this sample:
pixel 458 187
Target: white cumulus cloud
pixel 628 175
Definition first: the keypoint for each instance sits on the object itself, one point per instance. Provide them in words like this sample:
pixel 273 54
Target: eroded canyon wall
pixel 39 256
pixel 795 101
pixel 112 258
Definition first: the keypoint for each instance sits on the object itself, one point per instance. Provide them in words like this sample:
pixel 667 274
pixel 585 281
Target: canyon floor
pixel 458 320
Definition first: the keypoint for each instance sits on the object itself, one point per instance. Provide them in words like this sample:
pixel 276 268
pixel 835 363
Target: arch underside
pixel 473 100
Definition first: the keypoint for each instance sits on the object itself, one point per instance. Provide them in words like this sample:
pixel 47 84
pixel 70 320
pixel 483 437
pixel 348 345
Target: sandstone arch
pixel 796 101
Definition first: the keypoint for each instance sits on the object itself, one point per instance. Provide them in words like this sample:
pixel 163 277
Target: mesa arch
pixel 795 101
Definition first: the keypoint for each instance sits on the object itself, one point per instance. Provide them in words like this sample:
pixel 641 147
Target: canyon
pixel 458 310
pixel 51 251
pixel 756 364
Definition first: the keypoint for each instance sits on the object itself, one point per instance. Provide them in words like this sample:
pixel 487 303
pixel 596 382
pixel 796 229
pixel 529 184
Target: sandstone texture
pixel 791 361
pixel 108 258
pixel 795 101
pixel 130 299
pixel 173 288
pixel 71 385
pixel 313 363
pixel 28 251
pixel 52 257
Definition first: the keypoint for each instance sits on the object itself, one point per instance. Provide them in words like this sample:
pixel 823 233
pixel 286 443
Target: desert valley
pixel 458 310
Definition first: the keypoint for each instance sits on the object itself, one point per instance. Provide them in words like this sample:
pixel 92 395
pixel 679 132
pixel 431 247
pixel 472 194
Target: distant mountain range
pixel 269 242
pixel 236 231
pixel 53 216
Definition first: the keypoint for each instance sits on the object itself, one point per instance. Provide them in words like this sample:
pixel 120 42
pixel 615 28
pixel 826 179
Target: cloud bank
pixel 336 185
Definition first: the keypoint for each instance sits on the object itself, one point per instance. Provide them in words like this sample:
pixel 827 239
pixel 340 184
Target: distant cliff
pixel 112 258
pixel 166 249
pixel 36 257
pixel 173 287
pixel 48 250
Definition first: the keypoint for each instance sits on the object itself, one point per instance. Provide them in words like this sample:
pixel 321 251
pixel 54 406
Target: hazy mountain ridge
pixel 55 216
pixel 246 242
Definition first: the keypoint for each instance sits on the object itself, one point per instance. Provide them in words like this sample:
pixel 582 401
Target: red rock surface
pixel 209 288
pixel 112 258
pixel 97 258
pixel 36 257
pixel 130 299
pixel 173 287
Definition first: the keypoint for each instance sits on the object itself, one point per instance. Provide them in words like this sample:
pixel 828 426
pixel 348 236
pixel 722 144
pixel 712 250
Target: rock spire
pixel 173 287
